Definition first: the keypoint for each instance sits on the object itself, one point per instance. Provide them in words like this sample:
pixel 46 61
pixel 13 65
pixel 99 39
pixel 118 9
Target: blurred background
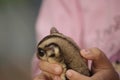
pixel 17 38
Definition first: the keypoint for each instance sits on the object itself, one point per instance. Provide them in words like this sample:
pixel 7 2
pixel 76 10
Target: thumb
pixel 73 75
pixel 100 61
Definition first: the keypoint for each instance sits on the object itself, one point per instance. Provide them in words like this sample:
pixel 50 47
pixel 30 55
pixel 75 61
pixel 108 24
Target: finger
pixel 57 78
pixel 73 75
pixel 106 74
pixel 98 57
pixel 50 68
pixel 41 77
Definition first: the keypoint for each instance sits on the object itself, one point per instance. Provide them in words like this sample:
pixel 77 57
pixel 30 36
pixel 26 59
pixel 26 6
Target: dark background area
pixel 17 38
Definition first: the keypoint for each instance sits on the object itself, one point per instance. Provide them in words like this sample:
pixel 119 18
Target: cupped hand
pixel 102 69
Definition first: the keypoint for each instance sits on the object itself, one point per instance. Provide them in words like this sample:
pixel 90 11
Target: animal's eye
pixel 52 55
pixel 41 52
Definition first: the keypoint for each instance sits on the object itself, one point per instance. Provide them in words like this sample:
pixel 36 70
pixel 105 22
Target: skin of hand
pixel 101 69
pixel 54 69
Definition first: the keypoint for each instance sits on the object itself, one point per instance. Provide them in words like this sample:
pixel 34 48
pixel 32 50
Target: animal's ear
pixel 53 30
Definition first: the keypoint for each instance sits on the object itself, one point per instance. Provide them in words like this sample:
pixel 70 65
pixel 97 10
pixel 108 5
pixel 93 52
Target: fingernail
pixel 69 74
pixel 86 51
pixel 56 78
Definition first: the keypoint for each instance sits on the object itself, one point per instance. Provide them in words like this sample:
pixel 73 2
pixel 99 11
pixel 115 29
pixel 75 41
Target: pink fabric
pixel 93 23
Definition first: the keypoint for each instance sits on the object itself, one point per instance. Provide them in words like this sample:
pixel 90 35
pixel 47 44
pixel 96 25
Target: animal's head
pixel 54 45
pixel 49 50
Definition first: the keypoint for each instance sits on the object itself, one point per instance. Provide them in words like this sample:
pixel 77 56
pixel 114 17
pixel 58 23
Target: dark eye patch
pixel 41 52
pixel 52 55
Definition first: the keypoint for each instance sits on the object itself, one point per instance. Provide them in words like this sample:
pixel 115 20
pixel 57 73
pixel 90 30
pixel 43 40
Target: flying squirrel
pixel 61 49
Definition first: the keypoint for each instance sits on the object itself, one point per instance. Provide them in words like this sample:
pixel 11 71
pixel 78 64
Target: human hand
pixel 102 69
pixel 54 69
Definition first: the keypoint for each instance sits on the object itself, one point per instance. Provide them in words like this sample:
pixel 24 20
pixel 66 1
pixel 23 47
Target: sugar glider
pixel 61 49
